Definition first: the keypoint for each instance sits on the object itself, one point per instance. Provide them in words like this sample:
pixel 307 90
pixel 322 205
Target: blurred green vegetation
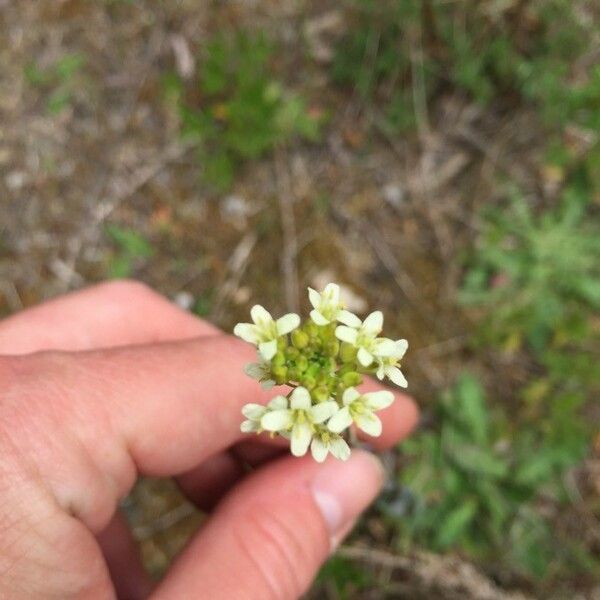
pixel 238 108
pixel 58 81
pixel 401 52
pixel 130 249
pixel 478 476
pixel 345 578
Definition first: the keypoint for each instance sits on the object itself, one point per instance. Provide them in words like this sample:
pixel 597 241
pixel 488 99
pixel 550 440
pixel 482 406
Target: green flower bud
pixel 282 343
pixel 280 374
pixel 321 393
pixel 322 378
pixel 300 339
pixel 351 379
pixel 308 381
pixel 301 363
pixel 293 374
pixel 330 364
pixel 292 353
pixel 311 329
pixel 332 347
pixel 279 359
pixel 347 368
pixel 348 352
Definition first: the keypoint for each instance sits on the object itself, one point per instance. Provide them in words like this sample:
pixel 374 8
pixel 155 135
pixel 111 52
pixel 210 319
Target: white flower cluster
pixel 323 362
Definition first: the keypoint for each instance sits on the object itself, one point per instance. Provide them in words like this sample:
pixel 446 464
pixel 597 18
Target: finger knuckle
pixel 128 290
pixel 30 385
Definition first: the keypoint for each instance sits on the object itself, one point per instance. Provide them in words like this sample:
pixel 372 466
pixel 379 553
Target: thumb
pixel 269 537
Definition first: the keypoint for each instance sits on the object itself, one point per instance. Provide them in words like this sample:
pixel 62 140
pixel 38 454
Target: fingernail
pixel 342 490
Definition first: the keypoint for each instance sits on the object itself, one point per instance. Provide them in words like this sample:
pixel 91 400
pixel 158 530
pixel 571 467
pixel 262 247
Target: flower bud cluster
pixel 323 361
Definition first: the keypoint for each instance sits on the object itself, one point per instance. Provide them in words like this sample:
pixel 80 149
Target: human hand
pixel 113 382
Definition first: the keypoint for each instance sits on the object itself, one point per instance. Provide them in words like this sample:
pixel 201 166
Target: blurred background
pixel 439 158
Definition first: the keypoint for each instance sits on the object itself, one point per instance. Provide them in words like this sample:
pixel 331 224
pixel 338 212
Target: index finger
pixel 160 409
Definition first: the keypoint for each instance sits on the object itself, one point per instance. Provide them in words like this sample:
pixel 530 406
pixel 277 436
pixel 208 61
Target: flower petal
pixel 339 448
pixel 318 449
pixel 268 349
pixel 254 370
pixel 314 298
pixel 276 420
pixel 378 400
pixel 301 436
pixel 349 319
pixel 340 421
pixel 332 293
pixel 380 372
pixel 249 426
pixel 318 318
pixel 346 334
pixel 322 411
pixel 373 324
pixel 247 332
pixel 369 423
pixel 384 347
pixel 396 375
pixel 300 399
pixel 260 315
pixel 267 384
pixel 287 323
pixel 365 358
pixel 401 348
pixel 350 395
pixel 253 411
pixel 278 403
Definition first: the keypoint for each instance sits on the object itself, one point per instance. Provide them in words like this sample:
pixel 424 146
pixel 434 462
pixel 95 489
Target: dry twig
pixel 449 576
pixel 236 267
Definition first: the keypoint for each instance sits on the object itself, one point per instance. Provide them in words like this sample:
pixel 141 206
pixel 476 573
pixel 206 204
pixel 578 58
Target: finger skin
pixel 90 420
pixel 105 315
pixel 268 538
pixel 159 410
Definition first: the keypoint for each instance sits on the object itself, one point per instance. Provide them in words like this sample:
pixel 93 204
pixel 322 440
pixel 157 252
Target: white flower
pixel 265 330
pixel 364 337
pixel 261 371
pixel 300 418
pixel 255 412
pixel 388 365
pixel 360 409
pixel 325 441
pixel 327 307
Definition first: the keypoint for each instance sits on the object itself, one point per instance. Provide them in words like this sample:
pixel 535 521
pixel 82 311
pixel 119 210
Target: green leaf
pixel 67 66
pixel 456 523
pixel 480 461
pixel 473 411
pixel 130 242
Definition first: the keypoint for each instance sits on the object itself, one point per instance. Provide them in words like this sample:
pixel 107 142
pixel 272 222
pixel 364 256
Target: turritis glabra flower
pixel 265 331
pixel 389 366
pixel 322 361
pixel 360 409
pixel 299 419
pixel 364 338
pixel 328 307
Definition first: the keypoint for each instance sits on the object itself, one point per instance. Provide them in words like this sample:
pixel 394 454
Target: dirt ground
pixel 389 218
